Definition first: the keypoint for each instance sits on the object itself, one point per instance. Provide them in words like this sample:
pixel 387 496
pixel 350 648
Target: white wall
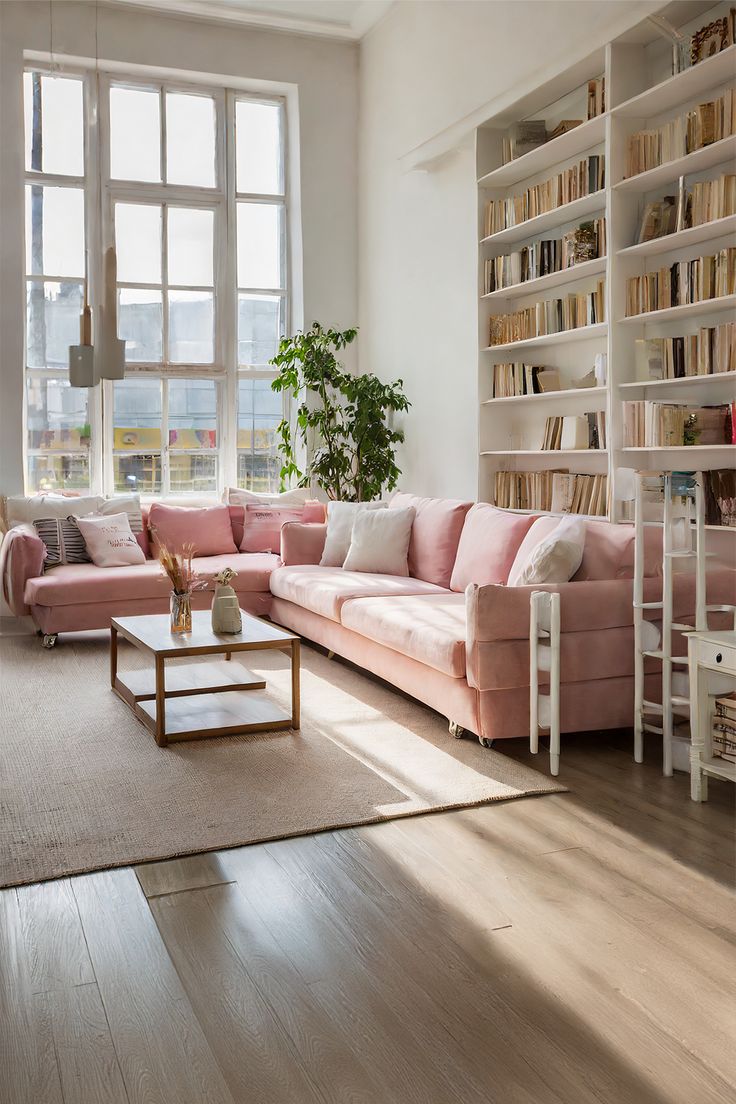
pixel 423 68
pixel 325 73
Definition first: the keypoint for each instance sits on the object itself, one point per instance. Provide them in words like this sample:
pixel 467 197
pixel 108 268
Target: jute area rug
pixel 83 785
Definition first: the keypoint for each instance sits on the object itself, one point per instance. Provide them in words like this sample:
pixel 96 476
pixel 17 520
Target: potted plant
pixel 342 421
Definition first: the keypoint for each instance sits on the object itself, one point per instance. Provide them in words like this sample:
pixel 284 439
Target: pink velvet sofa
pixel 453 636
pixel 75 597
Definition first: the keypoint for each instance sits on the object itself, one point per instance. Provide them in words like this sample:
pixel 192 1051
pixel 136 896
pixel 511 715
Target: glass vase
pixel 181 611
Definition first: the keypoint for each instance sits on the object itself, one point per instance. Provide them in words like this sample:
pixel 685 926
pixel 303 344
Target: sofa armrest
pixel 21 558
pixel 302 542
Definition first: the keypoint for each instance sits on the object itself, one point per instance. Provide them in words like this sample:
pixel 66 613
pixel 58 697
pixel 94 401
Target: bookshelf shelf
pixel 569 145
pixel 686 310
pixel 697 161
pixel 565 393
pixel 674 91
pixel 683 381
pixel 568 212
pixel 582 333
pixel 642 95
pixel 550 280
pixel 694 235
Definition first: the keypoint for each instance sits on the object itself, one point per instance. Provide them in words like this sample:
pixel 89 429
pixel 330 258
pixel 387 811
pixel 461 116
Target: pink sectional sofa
pixel 450 633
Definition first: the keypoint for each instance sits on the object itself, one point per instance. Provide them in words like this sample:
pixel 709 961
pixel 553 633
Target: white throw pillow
pixel 29 508
pixel 235 496
pixel 125 504
pixel 380 541
pixel 555 559
pixel 340 518
pixel 110 541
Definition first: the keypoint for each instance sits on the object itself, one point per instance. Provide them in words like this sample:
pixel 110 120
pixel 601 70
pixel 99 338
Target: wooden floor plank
pixel 28 1068
pixel 88 1065
pixel 177 875
pixel 53 935
pixel 161 1049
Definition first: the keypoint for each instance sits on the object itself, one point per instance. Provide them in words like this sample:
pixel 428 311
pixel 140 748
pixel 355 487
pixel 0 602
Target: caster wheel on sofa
pixel 49 640
pixel 456 731
pixel 484 742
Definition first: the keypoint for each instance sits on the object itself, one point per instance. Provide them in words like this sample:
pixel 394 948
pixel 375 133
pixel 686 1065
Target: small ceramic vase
pixel 225 610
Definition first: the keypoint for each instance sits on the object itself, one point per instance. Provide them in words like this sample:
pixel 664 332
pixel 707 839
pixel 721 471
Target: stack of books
pixel 596 97
pixel 692 281
pixel 709 200
pixel 676 425
pixel 579 180
pixel 558 491
pixel 708 352
pixel 547 255
pixel 723 733
pixel 511 380
pixel 705 124
pixel 549 316
pixel 579 431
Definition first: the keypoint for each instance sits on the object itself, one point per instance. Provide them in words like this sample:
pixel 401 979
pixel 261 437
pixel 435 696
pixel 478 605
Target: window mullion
pixel 229 301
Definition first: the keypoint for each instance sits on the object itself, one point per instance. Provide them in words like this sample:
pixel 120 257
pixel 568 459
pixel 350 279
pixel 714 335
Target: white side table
pixel 706 652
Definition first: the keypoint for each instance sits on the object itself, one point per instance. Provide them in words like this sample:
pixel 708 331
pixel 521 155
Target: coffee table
pixel 194 701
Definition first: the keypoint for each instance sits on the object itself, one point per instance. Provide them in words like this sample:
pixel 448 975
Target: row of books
pixel 596 97
pixel 584 243
pixel 549 316
pixel 561 492
pixel 575 431
pixel 706 201
pixel 584 178
pixel 723 733
pixel 710 351
pixel 707 123
pixel 684 282
pixel 511 380
pixel 651 424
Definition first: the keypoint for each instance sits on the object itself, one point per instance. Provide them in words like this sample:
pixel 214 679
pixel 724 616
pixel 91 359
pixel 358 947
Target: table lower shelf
pixel 719 768
pixel 198 716
pixel 188 679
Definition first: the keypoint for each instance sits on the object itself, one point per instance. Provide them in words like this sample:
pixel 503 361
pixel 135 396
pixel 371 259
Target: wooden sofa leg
pixel 49 640
pixel 330 655
pixel 456 731
pixel 485 742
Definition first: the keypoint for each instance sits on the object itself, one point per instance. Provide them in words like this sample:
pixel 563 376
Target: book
pixel 548 316
pixel 693 281
pixel 657 424
pixel 540 258
pixel 583 178
pixel 706 123
pixel 558 491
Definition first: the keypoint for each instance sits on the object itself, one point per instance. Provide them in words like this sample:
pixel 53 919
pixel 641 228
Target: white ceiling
pixel 349 19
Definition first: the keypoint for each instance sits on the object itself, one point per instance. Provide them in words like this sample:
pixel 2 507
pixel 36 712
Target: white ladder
pixel 544 655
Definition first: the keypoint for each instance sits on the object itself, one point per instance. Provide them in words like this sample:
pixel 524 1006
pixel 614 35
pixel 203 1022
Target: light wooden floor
pixel 569 948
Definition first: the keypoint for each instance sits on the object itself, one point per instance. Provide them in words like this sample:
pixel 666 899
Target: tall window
pixel 191 191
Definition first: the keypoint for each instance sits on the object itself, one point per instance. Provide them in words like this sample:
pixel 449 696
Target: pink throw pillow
pixel 488 545
pixel 208 528
pixel 110 540
pixel 262 528
pixel 435 535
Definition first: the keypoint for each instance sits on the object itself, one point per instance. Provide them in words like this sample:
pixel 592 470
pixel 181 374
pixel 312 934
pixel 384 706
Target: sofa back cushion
pixel 262 523
pixel 608 551
pixel 208 528
pixel 435 535
pixel 488 545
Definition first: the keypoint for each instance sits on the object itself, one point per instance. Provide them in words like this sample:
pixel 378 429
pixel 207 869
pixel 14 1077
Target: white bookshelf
pixel 641 93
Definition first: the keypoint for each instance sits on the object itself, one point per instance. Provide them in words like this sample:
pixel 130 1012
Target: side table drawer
pixel 717 658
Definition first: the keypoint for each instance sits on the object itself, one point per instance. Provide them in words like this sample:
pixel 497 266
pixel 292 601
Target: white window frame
pixel 222 199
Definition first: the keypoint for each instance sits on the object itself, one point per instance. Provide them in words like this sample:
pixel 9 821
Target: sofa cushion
pixel 427 627
pixel 323 590
pixel 78 584
pixel 208 528
pixel 380 542
pixel 488 545
pixel 262 523
pixel 434 536
pixel 549 556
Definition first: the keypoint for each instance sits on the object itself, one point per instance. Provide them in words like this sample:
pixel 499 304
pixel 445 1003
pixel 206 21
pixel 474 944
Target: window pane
pixel 260 327
pixel 259 245
pixel 191 327
pixel 138 242
pixel 258 147
pixel 135 134
pixel 52 322
pixel 259 412
pixel 192 473
pixel 54 231
pixel 191 246
pixel 57 415
pixel 54 124
pixel 140 324
pixel 139 473
pixel 137 415
pixel 192 414
pixel 190 139
pixel 57 472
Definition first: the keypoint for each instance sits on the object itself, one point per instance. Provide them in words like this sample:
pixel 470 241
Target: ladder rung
pixel 683 702
pixel 661 655
pixel 720 609
pixel 682 628
pixel 652 728
pixel 648 605
pixel 651 707
pixel 686 554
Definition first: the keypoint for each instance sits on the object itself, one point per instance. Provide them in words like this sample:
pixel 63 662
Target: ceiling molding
pixel 365 16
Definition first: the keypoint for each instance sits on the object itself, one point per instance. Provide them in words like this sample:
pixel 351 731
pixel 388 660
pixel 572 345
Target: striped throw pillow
pixel 63 540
